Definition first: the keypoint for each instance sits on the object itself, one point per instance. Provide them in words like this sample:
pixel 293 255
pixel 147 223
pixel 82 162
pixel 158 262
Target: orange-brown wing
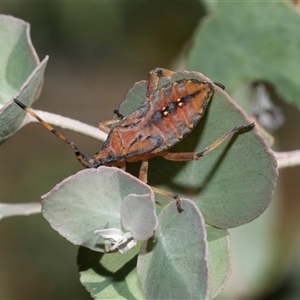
pixel 160 122
pixel 127 146
pixel 176 109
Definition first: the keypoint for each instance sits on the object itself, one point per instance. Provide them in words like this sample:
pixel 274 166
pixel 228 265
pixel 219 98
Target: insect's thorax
pixel 161 121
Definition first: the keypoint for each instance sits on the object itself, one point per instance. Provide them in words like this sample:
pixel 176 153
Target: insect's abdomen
pixel 161 121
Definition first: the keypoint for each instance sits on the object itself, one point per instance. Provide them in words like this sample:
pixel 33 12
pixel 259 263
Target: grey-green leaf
pixel 21 73
pixel 219 256
pixel 88 201
pixel 174 264
pixel 110 276
pixel 138 216
pixel 18 57
pixel 11 115
pixel 238 43
pixel 113 276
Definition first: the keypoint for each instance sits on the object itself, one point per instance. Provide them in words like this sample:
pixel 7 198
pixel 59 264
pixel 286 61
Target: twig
pixel 288 159
pixel 67 123
pixel 19 209
pixel 284 159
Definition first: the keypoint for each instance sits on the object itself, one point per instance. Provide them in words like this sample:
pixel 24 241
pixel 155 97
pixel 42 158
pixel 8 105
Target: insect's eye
pixel 165 111
pixel 179 102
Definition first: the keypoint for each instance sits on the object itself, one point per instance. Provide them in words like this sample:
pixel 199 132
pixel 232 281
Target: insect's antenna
pixel 83 159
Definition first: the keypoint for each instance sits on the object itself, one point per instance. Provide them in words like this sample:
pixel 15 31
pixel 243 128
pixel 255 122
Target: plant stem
pixel 67 123
pixel 288 159
pixel 19 209
pixel 284 159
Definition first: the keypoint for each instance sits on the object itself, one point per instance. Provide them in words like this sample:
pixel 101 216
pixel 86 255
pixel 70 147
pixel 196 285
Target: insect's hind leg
pixel 143 176
pixel 187 156
pixel 83 159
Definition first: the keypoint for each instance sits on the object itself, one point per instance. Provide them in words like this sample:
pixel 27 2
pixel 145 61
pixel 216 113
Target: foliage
pixel 249 52
pixel 177 255
pixel 263 49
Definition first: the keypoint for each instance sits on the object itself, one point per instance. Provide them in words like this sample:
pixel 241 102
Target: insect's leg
pixel 143 176
pixel 171 195
pixel 121 165
pixel 83 159
pixel 103 126
pixel 186 156
pixel 120 116
pixel 153 78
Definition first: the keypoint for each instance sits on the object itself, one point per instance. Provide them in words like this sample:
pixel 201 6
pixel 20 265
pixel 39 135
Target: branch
pixel 67 123
pixel 284 159
pixel 19 209
pixel 288 159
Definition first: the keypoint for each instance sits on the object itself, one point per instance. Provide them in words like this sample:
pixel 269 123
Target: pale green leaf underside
pixel 90 200
pixel 114 276
pixel 18 57
pixel 219 257
pixel 21 74
pixel 11 115
pixel 174 264
pixel 110 276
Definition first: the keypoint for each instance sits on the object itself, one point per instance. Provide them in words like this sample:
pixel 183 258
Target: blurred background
pixel 98 50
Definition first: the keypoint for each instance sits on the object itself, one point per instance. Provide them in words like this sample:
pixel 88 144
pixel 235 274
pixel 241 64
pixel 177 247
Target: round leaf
pixel 173 265
pixel 110 276
pixel 234 183
pixel 88 201
pixel 18 57
pixel 219 257
pixel 242 49
pixel 11 115
pixel 21 74
pixel 138 216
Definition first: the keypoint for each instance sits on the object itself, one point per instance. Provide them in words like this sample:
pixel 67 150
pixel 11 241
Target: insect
pixel 164 118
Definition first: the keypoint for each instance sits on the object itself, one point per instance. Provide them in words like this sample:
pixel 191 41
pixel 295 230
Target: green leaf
pixel 110 276
pixel 21 73
pixel 174 264
pixel 138 216
pixel 18 57
pixel 219 257
pixel 114 276
pixel 234 183
pixel 88 201
pixel 11 115
pixel 238 43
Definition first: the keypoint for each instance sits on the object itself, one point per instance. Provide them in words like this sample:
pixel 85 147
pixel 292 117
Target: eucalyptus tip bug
pixel 163 119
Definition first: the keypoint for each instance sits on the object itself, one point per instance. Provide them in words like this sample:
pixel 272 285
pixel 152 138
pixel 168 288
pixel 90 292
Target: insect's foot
pixel 23 106
pixel 160 72
pixel 178 203
pixel 119 115
pixel 243 128
pixel 250 126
